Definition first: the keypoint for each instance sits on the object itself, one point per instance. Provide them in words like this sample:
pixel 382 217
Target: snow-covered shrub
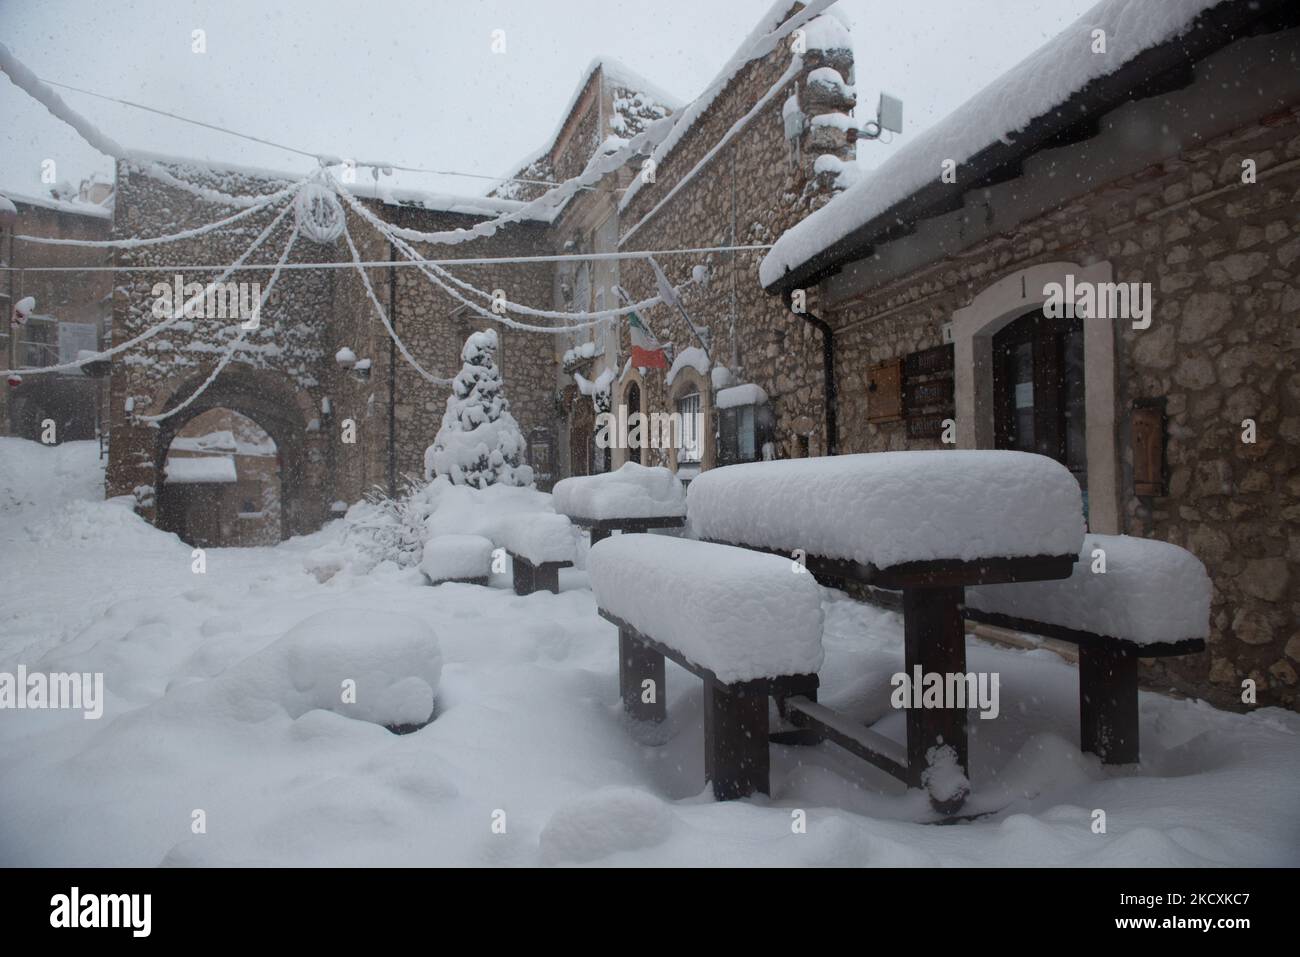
pixel 390 528
pixel 479 443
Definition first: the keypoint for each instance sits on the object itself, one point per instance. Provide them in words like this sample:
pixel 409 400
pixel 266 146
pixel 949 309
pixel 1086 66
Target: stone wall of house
pixel 80 297
pixel 434 327
pixel 288 352
pixel 1223 258
pixel 290 373
pixel 748 192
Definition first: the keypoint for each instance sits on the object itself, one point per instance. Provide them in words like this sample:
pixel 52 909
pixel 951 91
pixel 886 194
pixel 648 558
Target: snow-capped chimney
pixel 826 98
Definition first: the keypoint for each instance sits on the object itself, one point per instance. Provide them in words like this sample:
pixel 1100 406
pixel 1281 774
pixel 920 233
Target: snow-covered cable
pixel 413 254
pixel 175 317
pixel 383 315
pixel 685 118
pixel 135 243
pixel 30 83
pixel 235 343
pixel 386 228
pixel 406 263
pixel 796 64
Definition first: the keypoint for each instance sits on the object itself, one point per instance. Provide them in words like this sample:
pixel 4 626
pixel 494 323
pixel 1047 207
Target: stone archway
pixel 285 414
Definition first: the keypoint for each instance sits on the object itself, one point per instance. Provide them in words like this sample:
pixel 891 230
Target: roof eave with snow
pixel 809 252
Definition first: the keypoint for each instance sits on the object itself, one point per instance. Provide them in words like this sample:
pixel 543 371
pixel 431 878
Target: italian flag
pixel 647 353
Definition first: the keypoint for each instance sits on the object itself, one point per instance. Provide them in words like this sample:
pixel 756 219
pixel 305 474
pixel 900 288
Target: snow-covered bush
pixel 479 443
pixel 390 528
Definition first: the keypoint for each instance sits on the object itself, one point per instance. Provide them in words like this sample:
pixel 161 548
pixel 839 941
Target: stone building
pixel 895 303
pixel 1176 169
pixel 73 306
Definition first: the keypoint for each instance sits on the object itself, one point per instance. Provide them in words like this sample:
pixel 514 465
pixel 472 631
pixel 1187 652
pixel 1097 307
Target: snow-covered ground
pixel 202 695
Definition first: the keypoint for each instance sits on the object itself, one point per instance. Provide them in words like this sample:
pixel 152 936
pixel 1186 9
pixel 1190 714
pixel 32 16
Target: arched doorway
pixel 222 483
pixel 1038 390
pixel 283 414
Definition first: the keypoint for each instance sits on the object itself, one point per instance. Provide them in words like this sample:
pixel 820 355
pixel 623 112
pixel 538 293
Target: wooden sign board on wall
pixel 1148 437
pixel 885 391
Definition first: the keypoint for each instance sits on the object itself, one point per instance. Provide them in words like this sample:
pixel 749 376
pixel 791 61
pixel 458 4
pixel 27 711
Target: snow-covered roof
pixel 617 76
pixel 75 207
pixel 984 129
pixel 201 468
pixel 365 187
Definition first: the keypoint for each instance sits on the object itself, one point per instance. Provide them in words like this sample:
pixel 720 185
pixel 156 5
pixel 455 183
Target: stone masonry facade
pixel 1222 348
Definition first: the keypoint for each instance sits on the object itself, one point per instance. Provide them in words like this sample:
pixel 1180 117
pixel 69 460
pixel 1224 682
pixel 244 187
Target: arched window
pixel 1038 390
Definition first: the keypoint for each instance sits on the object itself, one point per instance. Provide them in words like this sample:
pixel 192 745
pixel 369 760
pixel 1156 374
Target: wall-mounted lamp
pixel 347 361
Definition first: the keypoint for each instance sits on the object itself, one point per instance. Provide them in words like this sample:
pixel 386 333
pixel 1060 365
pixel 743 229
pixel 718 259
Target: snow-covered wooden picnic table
pixel 928 523
pixel 635 498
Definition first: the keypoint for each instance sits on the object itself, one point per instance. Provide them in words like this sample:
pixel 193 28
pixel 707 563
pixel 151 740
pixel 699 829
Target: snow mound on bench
pixel 462 510
pixel 1151 592
pixel 538 538
pixel 611 820
pixel 395 661
pixel 741 614
pixel 634 491
pixel 887 508
pixel 456 556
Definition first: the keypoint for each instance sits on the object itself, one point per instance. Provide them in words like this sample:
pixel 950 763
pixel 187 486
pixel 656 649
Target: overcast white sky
pixel 415 81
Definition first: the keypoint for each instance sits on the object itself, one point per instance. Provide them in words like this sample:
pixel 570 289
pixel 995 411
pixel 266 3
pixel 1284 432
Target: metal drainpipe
pixel 392 372
pixel 828 369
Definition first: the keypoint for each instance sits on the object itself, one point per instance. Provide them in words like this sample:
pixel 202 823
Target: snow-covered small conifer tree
pixel 479 443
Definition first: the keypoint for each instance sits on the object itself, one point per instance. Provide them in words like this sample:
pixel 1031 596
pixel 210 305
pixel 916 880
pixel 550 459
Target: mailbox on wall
pixel 1147 427
pixel 885 391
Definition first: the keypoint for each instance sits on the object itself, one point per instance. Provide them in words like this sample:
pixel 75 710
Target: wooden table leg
pixel 1108 703
pixel 638 664
pixel 546 577
pixel 934 637
pixel 524 574
pixel 736 757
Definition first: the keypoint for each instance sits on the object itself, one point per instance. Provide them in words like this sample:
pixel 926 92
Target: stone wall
pixel 287 361
pixel 749 191
pixel 435 326
pixel 77 296
pixel 1223 346
pixel 336 427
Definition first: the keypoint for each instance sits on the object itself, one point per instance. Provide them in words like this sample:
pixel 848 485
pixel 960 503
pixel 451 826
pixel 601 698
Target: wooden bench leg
pixel 600 534
pixel 547 577
pixel 525 575
pixel 934 636
pixel 736 758
pixel 638 664
pixel 1108 703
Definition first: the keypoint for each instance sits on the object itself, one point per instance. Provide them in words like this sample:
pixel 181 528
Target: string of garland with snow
pixel 479 443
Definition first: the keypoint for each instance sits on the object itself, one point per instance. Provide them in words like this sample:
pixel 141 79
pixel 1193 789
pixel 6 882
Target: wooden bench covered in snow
pixel 1152 600
pixel 457 558
pixel 539 545
pixel 635 498
pixel 928 523
pixel 742 622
